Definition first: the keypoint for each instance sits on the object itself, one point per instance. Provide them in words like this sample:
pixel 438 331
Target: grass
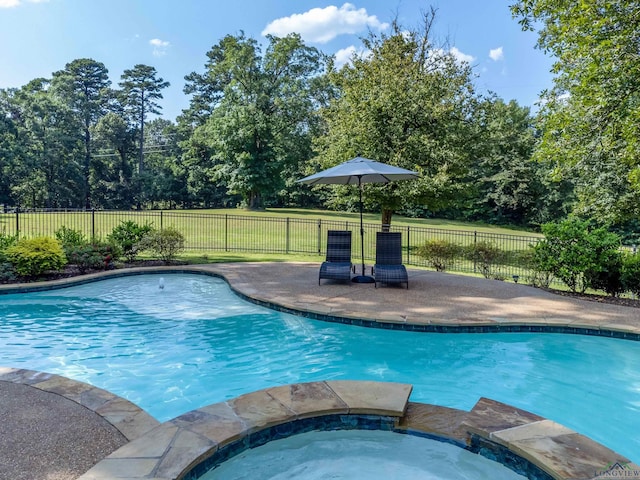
pixel 374 218
pixel 275 234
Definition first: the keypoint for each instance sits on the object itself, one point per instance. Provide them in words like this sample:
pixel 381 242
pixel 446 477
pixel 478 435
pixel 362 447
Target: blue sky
pixel 38 37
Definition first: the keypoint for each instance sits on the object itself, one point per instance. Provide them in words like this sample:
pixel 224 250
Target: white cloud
pixel 496 54
pixel 460 56
pixel 159 47
pixel 344 55
pixel 322 25
pixel 15 3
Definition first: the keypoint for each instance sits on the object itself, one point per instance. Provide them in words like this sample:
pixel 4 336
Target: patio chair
pixel 337 265
pixel 388 267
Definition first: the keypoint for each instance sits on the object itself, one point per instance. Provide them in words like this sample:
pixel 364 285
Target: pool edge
pixel 240 288
pixel 187 446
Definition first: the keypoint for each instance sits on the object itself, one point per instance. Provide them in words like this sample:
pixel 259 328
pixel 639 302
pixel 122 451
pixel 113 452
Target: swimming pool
pixel 194 343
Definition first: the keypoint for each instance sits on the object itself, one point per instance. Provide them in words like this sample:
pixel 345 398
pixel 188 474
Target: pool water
pixel 358 454
pixel 194 343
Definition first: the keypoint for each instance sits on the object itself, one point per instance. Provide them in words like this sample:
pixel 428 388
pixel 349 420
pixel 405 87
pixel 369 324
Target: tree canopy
pixel 261 106
pixel 590 119
pixel 265 113
pixel 409 103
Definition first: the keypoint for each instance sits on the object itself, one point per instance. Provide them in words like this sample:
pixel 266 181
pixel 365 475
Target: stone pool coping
pixel 181 447
pixel 525 442
pixel 57 428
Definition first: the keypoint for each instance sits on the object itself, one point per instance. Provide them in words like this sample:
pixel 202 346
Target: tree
pixel 166 175
pixel 590 117
pixel 84 86
pixel 45 173
pixel 506 185
pixel 9 147
pixel 141 90
pixel 404 102
pixel 258 110
pixel 114 140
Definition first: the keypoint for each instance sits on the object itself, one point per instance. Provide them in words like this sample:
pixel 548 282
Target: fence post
pixel 319 234
pixel 226 232
pixel 17 220
pixel 408 243
pixel 161 227
pixel 93 224
pixel 286 248
pixel 475 241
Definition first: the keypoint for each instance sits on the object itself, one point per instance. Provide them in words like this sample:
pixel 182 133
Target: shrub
pixel 127 236
pixel 85 257
pixel 535 277
pixel 98 255
pixel 108 253
pixel 7 272
pixel 5 242
pixel 165 243
pixel 486 256
pixel 68 237
pixel 35 256
pixel 631 273
pixel 608 276
pixel 525 259
pixel 440 254
pixel 574 253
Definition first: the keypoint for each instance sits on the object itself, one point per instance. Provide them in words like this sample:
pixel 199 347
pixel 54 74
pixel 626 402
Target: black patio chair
pixel 388 267
pixel 337 265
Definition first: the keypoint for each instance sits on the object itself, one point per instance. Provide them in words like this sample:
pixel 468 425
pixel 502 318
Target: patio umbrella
pixel 357 171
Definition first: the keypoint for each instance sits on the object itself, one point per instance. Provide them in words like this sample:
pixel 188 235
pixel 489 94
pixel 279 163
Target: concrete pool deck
pixel 433 299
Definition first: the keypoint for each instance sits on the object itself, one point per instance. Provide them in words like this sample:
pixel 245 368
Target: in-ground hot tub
pixel 359 454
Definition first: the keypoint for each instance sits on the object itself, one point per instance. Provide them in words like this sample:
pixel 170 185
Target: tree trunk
pixel 255 201
pixel 386 219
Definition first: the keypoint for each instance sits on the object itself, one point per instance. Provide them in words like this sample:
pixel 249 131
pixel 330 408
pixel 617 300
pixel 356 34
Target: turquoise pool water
pixel 370 455
pixel 194 343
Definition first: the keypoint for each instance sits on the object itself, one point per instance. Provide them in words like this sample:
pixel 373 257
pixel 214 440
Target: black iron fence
pixel 210 232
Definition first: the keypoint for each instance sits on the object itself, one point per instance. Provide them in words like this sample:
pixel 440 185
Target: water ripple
pixel 195 343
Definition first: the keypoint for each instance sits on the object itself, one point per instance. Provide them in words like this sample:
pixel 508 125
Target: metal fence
pixel 209 232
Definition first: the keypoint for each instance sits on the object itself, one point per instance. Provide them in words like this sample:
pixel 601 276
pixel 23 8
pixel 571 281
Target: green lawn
pixel 274 234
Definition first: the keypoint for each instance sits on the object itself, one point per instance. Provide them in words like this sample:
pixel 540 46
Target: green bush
pixel 7 272
pixel 127 236
pixel 96 256
pixel 68 237
pixel 574 253
pixel 534 276
pixel 85 257
pixel 165 243
pixel 608 276
pixel 631 273
pixel 5 242
pixel 487 257
pixel 440 254
pixel 35 256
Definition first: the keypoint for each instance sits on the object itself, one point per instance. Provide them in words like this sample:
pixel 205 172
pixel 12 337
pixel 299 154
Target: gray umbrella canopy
pixel 357 171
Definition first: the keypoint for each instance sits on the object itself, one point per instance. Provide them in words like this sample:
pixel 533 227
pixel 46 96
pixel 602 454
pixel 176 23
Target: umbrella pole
pixel 362 278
